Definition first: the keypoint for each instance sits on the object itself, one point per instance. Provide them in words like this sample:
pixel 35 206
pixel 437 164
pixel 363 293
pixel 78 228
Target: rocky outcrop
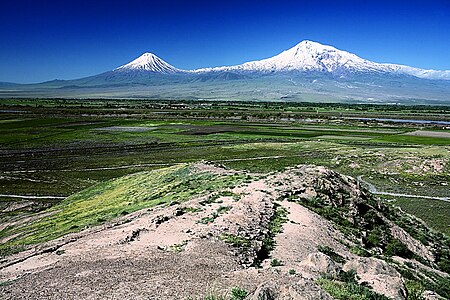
pixel 379 275
pixel 213 242
pixel 413 245
pixel 317 264
pixel 302 290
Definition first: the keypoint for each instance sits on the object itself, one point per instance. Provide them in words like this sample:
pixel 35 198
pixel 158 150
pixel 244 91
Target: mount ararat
pixel 308 71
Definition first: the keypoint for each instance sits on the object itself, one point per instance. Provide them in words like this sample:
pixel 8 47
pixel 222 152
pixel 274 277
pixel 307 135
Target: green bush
pixel 238 294
pixel 331 253
pixel 223 209
pixel 236 241
pixel 348 277
pixel 348 291
pixel 397 248
pixel 414 290
pixel 276 263
pixel 360 251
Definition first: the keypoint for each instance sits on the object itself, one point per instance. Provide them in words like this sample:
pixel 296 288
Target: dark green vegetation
pixel 236 293
pixel 344 286
pixel 61 147
pixel 331 253
pixel 268 244
pixel 236 241
pixel 366 222
pixel 435 212
pixel 416 281
pixel 276 263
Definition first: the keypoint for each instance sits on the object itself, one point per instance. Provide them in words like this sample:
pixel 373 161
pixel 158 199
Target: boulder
pixel 379 275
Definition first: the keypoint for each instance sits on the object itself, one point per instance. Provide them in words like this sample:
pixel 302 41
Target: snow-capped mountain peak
pixel 306 56
pixel 149 62
pixel 312 56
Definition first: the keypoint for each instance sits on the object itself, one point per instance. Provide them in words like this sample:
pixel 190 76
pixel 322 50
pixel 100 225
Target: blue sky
pixel 45 40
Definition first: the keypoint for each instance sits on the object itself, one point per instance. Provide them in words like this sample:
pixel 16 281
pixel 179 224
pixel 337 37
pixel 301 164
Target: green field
pixel 61 147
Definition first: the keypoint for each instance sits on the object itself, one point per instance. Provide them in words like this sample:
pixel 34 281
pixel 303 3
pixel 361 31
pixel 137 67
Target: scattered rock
pixel 318 263
pixel 134 235
pixel 429 295
pixel 302 290
pixel 265 291
pixel 379 275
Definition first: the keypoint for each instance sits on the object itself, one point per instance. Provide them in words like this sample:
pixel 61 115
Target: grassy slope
pixel 113 198
pixel 435 213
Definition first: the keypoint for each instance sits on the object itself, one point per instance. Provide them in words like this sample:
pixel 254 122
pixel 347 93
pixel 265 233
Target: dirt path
pixel 375 191
pixel 31 197
pixel 153 164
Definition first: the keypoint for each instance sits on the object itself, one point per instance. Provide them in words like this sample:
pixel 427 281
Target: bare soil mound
pixel 304 233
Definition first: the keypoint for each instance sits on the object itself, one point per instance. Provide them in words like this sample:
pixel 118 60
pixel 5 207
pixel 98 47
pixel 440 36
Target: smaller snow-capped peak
pixel 149 62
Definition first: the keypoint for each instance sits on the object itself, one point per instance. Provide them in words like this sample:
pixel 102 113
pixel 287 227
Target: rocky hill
pixel 200 231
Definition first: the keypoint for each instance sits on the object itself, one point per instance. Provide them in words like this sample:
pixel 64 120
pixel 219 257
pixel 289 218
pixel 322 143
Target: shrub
pixel 414 290
pixel 359 251
pixel 238 294
pixel 276 263
pixel 330 252
pixel 223 209
pixel 396 247
pixel 348 291
pixel 207 220
pixel 347 277
pixel 236 241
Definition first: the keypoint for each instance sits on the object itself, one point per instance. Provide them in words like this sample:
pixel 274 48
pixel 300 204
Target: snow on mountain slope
pixel 150 63
pixel 313 56
pixel 421 73
pixel 307 56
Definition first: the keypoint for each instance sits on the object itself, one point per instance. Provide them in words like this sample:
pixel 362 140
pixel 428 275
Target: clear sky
pixel 45 40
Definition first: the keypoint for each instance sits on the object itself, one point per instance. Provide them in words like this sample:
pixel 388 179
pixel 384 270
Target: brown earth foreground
pixel 166 253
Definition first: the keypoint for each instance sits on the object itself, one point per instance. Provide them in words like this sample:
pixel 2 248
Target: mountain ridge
pixel 306 56
pixel 307 72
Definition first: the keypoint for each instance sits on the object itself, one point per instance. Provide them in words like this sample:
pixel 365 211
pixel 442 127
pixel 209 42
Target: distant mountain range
pixel 308 71
pixel 306 56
